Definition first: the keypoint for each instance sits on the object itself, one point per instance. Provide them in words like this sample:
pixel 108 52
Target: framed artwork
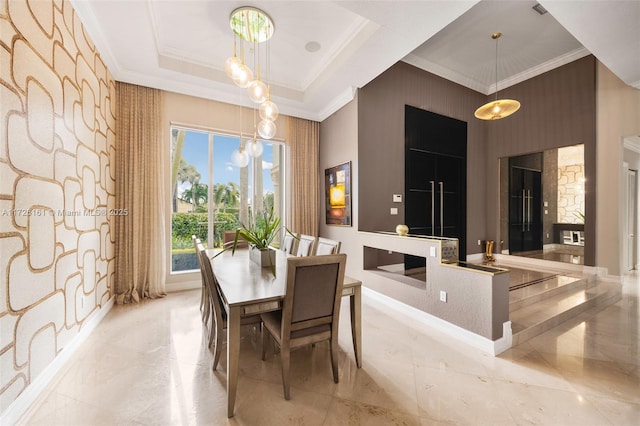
pixel 337 185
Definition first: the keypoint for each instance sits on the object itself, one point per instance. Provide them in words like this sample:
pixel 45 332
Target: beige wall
pixel 618 116
pixel 56 155
pixel 339 144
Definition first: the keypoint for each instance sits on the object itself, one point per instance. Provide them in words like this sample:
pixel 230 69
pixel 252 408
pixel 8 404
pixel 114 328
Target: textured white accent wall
pixel 56 186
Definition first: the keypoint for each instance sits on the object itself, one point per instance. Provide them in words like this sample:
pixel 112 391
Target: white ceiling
pixel 181 45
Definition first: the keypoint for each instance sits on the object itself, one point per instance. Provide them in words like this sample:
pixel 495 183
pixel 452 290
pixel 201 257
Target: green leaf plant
pixel 259 233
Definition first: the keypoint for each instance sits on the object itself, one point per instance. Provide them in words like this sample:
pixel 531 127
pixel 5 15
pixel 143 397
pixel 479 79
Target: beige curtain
pixel 141 195
pixel 303 140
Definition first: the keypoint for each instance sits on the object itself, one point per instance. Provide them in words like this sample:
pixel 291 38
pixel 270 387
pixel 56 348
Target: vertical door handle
pixel 524 205
pixel 433 207
pixel 528 210
pixel 441 209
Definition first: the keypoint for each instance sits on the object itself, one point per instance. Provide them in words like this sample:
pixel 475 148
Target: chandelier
pixel 255 27
pixel 499 108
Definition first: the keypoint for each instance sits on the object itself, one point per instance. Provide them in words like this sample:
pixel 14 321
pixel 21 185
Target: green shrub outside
pixel 184 225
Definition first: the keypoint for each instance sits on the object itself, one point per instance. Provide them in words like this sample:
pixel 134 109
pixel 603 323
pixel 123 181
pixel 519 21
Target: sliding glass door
pixel 216 186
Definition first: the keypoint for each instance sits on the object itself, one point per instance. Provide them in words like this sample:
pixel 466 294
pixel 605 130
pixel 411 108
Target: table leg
pixel 233 357
pixel 356 324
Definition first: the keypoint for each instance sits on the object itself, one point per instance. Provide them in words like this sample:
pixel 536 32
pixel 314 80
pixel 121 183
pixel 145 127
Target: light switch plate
pixel 432 251
pixel 443 296
pixel 394 210
pixel 397 198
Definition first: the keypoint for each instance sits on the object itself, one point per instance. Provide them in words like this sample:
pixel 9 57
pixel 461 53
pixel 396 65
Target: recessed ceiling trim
pixel 361 30
pixel 214 91
pixel 502 84
pixel 338 102
pixel 213 74
pixel 541 69
pixel 446 73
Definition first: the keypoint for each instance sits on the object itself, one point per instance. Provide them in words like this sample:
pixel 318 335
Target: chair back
pixel 196 241
pixel 211 283
pixel 306 245
pixel 327 246
pixel 313 294
pixel 288 243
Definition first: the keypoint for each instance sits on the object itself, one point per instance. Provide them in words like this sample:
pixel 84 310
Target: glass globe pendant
pixel 269 110
pixel 267 129
pixel 233 63
pixel 255 148
pixel 240 158
pixel 243 76
pixel 232 66
pixel 257 91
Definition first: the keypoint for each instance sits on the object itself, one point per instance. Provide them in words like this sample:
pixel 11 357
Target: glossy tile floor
pixel 568 254
pixel 147 365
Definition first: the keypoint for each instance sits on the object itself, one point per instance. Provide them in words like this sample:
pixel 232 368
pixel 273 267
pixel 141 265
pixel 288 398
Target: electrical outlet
pixel 479 242
pixel 443 296
pixel 394 210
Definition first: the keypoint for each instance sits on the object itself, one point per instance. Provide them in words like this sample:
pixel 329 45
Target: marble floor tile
pixel 148 364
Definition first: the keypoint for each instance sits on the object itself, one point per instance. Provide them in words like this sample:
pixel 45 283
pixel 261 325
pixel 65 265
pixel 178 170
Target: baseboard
pixel 603 275
pixel 183 285
pixel 486 345
pixel 30 395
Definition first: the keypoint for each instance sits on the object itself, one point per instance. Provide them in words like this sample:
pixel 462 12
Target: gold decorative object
pixel 488 252
pixel 402 230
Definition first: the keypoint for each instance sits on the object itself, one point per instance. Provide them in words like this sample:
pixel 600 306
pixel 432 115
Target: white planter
pixel 261 257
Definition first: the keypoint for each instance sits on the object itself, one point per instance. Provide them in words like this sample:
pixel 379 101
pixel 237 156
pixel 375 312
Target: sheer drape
pixel 140 200
pixel 303 140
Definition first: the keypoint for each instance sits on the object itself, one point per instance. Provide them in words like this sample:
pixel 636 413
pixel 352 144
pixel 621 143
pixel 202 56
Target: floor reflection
pixel 559 253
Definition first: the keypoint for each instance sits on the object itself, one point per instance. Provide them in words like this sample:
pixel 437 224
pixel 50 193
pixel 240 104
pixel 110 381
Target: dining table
pixel 248 289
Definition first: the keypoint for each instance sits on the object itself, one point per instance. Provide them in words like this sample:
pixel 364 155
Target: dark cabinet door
pixel 421 194
pixel 525 210
pixel 450 206
pixel 436 195
pixel 435 177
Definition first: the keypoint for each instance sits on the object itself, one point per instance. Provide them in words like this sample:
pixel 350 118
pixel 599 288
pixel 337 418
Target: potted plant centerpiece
pixel 259 233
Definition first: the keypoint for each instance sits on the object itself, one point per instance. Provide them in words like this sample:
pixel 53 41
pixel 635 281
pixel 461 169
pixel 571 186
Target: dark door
pixel 525 210
pixel 435 197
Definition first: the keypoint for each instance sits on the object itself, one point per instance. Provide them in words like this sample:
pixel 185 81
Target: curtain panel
pixel 303 140
pixel 140 196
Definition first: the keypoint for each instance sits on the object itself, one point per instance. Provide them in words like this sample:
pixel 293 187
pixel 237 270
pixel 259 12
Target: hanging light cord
pixel 496 36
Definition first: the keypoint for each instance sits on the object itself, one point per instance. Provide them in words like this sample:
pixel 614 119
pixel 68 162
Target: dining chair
pixel 289 243
pixel 219 314
pixel 327 246
pixel 310 310
pixel 205 306
pixel 306 245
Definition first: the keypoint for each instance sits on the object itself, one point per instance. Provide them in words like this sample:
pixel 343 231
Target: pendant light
pixel 240 157
pixel 499 108
pixel 254 147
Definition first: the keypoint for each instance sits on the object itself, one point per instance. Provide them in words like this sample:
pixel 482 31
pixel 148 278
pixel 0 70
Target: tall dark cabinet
pixel 525 203
pixel 435 177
